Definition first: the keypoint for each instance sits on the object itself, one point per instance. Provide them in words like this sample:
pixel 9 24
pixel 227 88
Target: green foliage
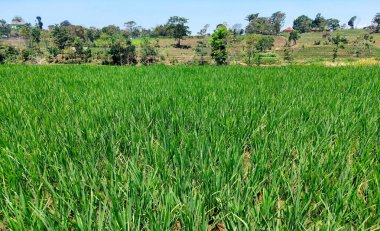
pixel 5 29
pixel 152 148
pixel 288 55
pixel 376 22
pixel 61 37
pixel 333 24
pixel 351 22
pixel 26 55
pixel 148 53
pixel 36 35
pixel 294 37
pixel 218 44
pixel 123 55
pixel 265 43
pixel 303 24
pixel 339 41
pixel 8 54
pixel 65 23
pixel 319 23
pixel 39 23
pixel 265 25
pixel 260 25
pixel 177 28
pixel 201 51
pixel 277 21
pixel 251 42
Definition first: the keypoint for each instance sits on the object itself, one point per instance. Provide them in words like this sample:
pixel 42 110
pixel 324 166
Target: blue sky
pixel 149 13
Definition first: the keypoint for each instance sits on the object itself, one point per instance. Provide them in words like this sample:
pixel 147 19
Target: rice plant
pixel 189 148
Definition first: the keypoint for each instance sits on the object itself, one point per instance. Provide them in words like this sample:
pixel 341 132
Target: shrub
pixel 123 55
pixel 26 55
pixel 149 53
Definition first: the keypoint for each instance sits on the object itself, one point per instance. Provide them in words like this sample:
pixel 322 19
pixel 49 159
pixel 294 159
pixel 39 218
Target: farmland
pixel 189 148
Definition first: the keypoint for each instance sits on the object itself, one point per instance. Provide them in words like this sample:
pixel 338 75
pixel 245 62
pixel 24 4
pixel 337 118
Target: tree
pixel 17 19
pixel 376 22
pixel 219 45
pixel 351 22
pixel 293 37
pixel 111 30
pixel 319 23
pixel 251 17
pixel 178 28
pixel 39 23
pixel 36 35
pixel 265 43
pixel 277 20
pixel 339 42
pixel 4 28
pixel 261 25
pixel 148 52
pixel 302 24
pixel 237 29
pixel 251 42
pixel 132 29
pixel 160 31
pixel 26 33
pixel 333 24
pixel 65 23
pixel 123 55
pixel 204 30
pixel 61 37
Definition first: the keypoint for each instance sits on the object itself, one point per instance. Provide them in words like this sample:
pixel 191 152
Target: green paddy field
pixel 189 148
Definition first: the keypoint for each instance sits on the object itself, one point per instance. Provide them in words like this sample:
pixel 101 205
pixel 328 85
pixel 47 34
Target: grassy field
pixel 189 148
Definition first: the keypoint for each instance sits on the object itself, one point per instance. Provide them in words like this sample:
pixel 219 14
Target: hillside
pixel 305 51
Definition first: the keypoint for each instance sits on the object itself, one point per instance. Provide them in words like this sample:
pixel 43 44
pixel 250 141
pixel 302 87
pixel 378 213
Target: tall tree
pixel 237 29
pixel 333 24
pixel 39 23
pixel 376 22
pixel 17 19
pixel 251 42
pixel 351 22
pixel 4 28
pixel 219 45
pixel 319 23
pixel 132 29
pixel 36 35
pixel 261 25
pixel 302 24
pixel 278 20
pixel 178 28
pixel 61 37
pixel 252 17
pixel 204 30
pixel 293 37
pixel 66 23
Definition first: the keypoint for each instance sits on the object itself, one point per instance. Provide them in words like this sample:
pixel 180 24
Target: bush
pixel 149 54
pixel 123 55
pixel 2 58
pixel 26 55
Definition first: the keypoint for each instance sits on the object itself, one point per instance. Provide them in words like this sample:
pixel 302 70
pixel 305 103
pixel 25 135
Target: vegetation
pixel 172 42
pixel 160 148
pixel 219 45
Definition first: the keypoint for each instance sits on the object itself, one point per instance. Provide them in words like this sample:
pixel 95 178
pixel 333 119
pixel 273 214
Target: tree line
pixel 73 43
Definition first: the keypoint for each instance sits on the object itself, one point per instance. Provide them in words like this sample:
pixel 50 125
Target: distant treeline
pixel 68 43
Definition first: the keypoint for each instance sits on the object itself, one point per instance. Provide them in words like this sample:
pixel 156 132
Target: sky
pixel 150 13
